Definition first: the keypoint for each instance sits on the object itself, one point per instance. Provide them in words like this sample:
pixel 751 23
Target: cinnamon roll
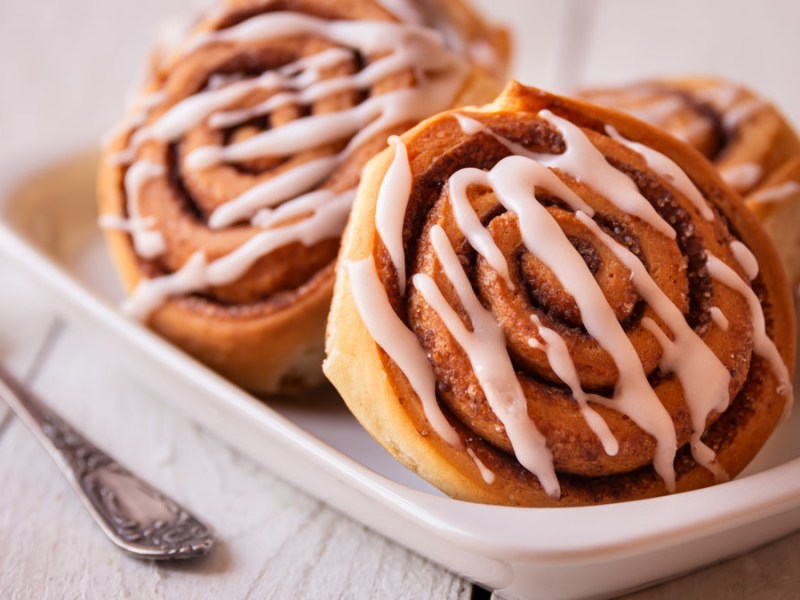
pixel 225 190
pixel 542 302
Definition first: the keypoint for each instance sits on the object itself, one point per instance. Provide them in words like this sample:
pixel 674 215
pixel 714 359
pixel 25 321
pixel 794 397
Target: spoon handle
pixel 134 515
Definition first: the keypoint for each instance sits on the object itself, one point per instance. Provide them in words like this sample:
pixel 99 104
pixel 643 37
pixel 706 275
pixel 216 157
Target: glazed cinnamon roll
pixel 542 302
pixel 225 190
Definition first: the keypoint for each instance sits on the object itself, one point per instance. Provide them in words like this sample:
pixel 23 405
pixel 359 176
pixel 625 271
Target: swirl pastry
pixel 742 134
pixel 226 189
pixel 543 302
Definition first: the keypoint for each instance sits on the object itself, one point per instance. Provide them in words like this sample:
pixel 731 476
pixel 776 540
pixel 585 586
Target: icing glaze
pixel 147 242
pixel 741 112
pixel 702 375
pixel 485 348
pixel 719 318
pixel 745 258
pixel 402 346
pixel 325 223
pixel 391 208
pixel 775 193
pixel 514 180
pixel 762 344
pixel 286 206
pixel 151 293
pixel 563 366
pixel 742 176
pixel 669 170
pixel 587 164
pixel 277 190
pixel 486 473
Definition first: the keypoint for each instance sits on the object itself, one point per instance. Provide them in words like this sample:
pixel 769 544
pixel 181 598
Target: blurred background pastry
pixel 542 302
pixel 225 189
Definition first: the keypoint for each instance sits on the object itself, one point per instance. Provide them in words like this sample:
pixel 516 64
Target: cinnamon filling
pixel 535 294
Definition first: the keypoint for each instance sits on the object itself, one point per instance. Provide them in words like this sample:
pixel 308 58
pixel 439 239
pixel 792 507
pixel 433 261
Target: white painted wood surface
pixel 65 66
pixel 275 542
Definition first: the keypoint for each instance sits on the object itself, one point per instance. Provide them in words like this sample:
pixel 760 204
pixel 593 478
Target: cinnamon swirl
pixel 743 134
pixel 226 189
pixel 542 302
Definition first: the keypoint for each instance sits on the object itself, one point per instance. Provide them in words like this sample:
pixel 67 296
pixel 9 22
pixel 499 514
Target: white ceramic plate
pixel 49 227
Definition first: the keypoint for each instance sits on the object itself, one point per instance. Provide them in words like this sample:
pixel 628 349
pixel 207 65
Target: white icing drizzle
pixel 466 217
pixel 479 50
pixel 486 473
pixel 409 47
pixel 484 54
pixel 468 221
pixel 402 346
pixel 121 223
pixel 657 112
pixel 745 258
pixel 405 10
pixel 146 242
pixel 703 377
pixel 301 205
pixel 151 293
pixel 669 170
pixel 390 209
pixel 470 126
pixel 691 129
pixel 391 47
pixel 762 344
pixel 276 190
pixel 742 112
pixel 485 347
pixel 362 122
pixel 721 96
pixel 587 164
pixel 743 176
pixel 303 74
pixel 564 367
pixel 191 111
pixel 326 222
pixel 514 179
pixel 375 36
pixel 719 318
pixel 672 361
pixel 775 193
pixel 137 115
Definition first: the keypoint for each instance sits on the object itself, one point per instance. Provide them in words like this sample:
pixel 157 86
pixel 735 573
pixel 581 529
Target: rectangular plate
pixel 312 441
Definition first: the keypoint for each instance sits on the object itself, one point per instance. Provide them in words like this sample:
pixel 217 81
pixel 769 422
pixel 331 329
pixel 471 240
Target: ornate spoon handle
pixel 134 515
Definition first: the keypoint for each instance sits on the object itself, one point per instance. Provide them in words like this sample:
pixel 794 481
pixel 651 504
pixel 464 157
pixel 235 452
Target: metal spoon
pixel 134 515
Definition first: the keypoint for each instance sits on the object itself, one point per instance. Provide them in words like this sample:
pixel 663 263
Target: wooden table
pixel 61 88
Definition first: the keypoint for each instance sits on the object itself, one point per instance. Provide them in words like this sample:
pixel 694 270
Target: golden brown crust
pixel 263 331
pixel 380 396
pixel 776 204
